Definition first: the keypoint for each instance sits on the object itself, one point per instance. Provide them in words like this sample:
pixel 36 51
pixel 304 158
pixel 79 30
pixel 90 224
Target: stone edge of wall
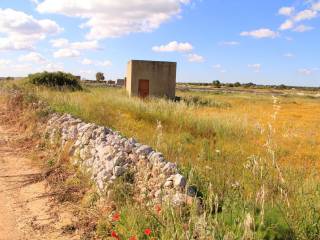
pixel 106 155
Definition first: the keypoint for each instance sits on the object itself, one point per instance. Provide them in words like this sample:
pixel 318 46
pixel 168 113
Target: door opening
pixel 143 90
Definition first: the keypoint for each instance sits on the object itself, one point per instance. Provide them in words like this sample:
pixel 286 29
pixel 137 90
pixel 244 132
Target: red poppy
pixel 133 238
pixel 147 231
pixel 158 209
pixel 115 235
pixel 116 217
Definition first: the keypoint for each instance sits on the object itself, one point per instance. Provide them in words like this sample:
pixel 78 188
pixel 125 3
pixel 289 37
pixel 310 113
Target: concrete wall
pixel 161 76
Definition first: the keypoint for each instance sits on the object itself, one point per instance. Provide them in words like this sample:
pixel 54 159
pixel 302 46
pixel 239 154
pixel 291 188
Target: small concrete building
pixel 111 82
pixel 151 78
pixel 120 82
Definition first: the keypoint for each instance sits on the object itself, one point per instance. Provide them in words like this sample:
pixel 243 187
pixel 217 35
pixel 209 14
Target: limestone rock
pixel 143 150
pixel 179 181
pixel 118 171
pixel 106 155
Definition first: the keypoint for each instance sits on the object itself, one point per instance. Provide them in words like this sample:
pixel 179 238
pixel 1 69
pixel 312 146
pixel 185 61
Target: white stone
pixel 179 181
pixel 179 199
pixel 170 168
pixel 120 158
pixel 109 166
pixel 168 184
pixel 118 171
pixel 156 157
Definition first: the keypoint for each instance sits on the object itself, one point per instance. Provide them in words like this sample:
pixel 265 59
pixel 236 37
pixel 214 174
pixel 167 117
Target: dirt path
pixel 25 211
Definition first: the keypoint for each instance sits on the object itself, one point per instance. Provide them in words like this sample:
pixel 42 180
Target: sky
pixel 265 41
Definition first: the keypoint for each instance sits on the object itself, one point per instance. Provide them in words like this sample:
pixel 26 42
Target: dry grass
pixel 295 128
pixel 200 135
pixel 254 157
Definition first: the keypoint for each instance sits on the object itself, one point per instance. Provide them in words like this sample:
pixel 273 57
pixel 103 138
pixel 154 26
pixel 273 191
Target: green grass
pixel 224 145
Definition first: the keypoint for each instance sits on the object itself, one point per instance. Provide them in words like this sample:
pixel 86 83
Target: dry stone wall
pixel 106 155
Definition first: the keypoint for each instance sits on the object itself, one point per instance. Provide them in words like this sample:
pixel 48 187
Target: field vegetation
pixel 254 158
pixel 58 80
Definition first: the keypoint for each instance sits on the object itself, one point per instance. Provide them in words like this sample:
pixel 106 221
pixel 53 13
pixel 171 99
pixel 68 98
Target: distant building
pixel 111 82
pixel 120 82
pixel 151 78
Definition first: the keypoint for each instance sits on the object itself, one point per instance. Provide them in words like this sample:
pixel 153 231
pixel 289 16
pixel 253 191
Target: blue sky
pixel 266 41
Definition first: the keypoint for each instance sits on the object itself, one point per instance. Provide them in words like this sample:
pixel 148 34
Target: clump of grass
pixel 204 101
pixel 59 80
pixel 235 156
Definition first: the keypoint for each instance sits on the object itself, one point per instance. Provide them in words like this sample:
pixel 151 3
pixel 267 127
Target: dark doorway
pixel 143 88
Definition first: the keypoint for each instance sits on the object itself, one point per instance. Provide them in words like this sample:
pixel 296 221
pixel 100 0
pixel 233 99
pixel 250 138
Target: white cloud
pixel 106 63
pixel 4 62
pixel 86 61
pixel 303 28
pixel 289 55
pixel 35 1
pixel 305 15
pixel 32 57
pixel 22 31
pixel 52 67
pixel 256 67
pixel 288 24
pixel 72 49
pixel 286 11
pixel 174 47
pixel 217 66
pixel 85 45
pixel 58 43
pixel 195 58
pixel 23 69
pixel 88 74
pixel 66 53
pixel 230 43
pixel 261 33
pixel 305 71
pixel 111 18
pixel 316 6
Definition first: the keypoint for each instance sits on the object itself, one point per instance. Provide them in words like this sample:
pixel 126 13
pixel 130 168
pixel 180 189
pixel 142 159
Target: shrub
pixel 216 83
pixel 203 101
pixel 58 80
pixel 237 84
pixel 100 76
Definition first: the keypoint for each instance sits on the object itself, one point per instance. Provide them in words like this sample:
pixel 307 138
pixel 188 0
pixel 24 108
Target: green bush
pixel 58 80
pixel 203 101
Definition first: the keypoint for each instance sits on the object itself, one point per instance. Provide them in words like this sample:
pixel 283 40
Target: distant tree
pixel 216 83
pixel 248 85
pixel 230 85
pixel 100 76
pixel 282 86
pixel 237 84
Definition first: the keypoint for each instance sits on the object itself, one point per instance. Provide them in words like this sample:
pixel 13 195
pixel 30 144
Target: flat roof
pixel 135 60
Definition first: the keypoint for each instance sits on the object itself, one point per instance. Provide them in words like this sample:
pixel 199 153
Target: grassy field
pixel 255 158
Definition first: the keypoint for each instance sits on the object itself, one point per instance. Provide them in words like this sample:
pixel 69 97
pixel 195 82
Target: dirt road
pixel 25 211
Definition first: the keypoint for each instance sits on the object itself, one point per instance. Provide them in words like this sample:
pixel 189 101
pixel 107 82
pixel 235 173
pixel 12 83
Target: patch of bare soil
pixel 26 210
